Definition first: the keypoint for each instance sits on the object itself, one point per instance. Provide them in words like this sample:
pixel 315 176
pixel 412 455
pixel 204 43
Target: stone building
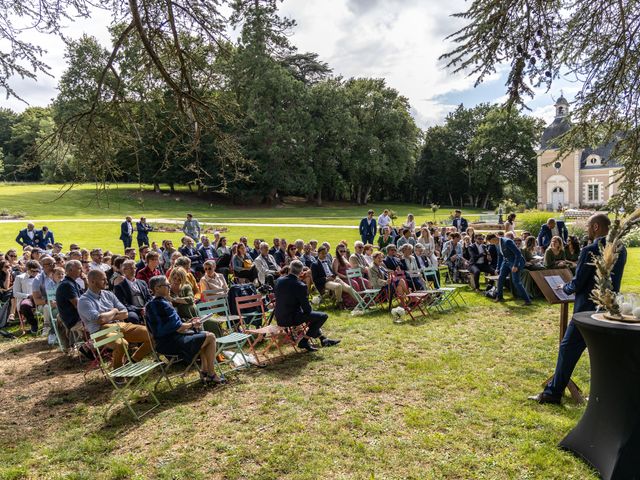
pixel 582 178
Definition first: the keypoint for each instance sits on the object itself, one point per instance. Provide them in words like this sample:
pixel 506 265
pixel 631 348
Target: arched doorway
pixel 557 197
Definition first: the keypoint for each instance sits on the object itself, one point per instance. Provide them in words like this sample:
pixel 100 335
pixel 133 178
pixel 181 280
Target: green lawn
pixel 439 398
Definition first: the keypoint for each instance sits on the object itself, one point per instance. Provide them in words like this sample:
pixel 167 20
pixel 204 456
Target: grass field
pixel 439 398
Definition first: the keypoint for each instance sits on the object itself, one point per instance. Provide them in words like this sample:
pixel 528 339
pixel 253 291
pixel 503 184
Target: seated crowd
pixel 96 288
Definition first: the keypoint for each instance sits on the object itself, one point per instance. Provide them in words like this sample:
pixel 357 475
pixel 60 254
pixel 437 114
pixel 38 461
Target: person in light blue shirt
pixel 100 308
pixel 191 227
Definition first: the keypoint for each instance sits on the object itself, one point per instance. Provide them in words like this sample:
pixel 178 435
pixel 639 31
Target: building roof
pixel 604 152
pixel 556 129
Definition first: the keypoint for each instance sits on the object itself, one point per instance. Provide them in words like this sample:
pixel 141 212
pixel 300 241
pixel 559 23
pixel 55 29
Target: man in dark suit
pixel 46 237
pixel 126 232
pixel 478 260
pixel 29 236
pixel 583 282
pixel 293 308
pixel 552 229
pixel 391 261
pixel 133 293
pixel 368 228
pixel 207 251
pixel 460 223
pixel 510 262
pixel 143 229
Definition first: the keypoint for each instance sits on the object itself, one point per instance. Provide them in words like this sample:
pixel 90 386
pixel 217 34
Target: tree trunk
pixel 319 197
pixel 156 187
pixel 190 185
pixel 172 187
pixel 366 195
pixel 358 193
pixel 486 200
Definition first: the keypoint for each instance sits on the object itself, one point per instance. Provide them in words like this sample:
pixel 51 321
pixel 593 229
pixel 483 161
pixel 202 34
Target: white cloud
pixel 399 40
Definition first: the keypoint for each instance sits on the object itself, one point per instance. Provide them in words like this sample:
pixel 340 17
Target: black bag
pixel 491 293
pixel 244 290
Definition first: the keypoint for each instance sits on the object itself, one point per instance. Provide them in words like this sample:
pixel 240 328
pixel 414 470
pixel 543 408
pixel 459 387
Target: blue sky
pixel 399 40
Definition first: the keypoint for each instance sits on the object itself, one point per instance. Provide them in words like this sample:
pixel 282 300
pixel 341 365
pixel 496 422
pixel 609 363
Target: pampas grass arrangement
pixel 603 295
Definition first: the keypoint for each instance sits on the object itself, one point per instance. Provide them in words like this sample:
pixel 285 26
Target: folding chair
pixel 251 308
pixel 430 275
pixel 169 361
pixel 366 297
pixel 444 274
pixel 133 374
pixel 53 315
pixel 217 310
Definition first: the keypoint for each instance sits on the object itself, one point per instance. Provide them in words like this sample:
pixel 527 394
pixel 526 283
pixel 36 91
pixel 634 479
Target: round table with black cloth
pixel 608 434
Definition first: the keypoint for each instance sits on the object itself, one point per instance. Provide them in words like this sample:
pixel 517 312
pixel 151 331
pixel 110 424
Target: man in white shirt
pixel 22 291
pixel 384 220
pixel 96 264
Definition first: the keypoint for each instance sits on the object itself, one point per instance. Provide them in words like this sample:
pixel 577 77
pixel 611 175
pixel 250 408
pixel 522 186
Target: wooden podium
pixel 551 297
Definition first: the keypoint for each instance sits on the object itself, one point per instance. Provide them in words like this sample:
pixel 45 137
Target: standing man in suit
pixel 459 222
pixel 133 293
pixel 126 232
pixel 583 282
pixel 293 308
pixel 46 238
pixel 191 227
pixel 551 229
pixel 510 262
pixel 29 236
pixel 478 260
pixel 368 228
pixel 143 229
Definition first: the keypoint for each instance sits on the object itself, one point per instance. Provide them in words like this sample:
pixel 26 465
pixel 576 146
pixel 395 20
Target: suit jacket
pixel 510 254
pixel 474 254
pixel 461 224
pixel 318 274
pixel 124 231
pixel 585 278
pixel 125 295
pixel 292 301
pixel 544 237
pixel 449 250
pixel 23 238
pixel 280 257
pixel 493 252
pixel 262 266
pixel 193 255
pixel 308 260
pixel 47 239
pixel 392 263
pixel 367 230
pixel 207 253
pixel 143 230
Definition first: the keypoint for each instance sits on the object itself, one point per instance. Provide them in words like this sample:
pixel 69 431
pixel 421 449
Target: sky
pixel 398 40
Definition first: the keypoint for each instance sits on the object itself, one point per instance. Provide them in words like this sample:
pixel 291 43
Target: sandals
pixel 208 379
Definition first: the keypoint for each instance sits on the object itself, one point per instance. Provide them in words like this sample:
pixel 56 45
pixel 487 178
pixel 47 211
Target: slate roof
pixel 604 152
pixel 557 128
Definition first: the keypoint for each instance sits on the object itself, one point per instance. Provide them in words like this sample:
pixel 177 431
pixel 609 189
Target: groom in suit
pixel 583 282
pixel 510 262
pixel 368 228
pixel 29 236
pixel 126 232
pixel 551 229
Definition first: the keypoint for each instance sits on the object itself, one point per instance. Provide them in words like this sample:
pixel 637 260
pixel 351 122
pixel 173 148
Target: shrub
pixel 508 206
pixel 633 238
pixel 533 220
pixel 578 228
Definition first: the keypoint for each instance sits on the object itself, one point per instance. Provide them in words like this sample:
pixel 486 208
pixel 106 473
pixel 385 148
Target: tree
pixel 594 42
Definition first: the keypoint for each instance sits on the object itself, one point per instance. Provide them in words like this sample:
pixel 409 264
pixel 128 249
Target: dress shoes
pixel 543 398
pixel 498 299
pixel 305 345
pixel 327 342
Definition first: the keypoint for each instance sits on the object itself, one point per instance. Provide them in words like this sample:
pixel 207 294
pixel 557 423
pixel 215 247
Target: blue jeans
pixel 571 348
pixel 505 270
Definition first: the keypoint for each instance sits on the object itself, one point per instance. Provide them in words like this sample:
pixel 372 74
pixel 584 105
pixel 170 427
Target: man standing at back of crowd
pixel 459 222
pixel 126 232
pixel 191 227
pixel 368 228
pixel 384 220
pixel 29 236
pixel 143 229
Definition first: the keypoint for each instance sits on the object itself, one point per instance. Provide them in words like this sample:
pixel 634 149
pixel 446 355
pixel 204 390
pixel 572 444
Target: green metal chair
pixel 53 315
pixel 367 297
pixel 133 375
